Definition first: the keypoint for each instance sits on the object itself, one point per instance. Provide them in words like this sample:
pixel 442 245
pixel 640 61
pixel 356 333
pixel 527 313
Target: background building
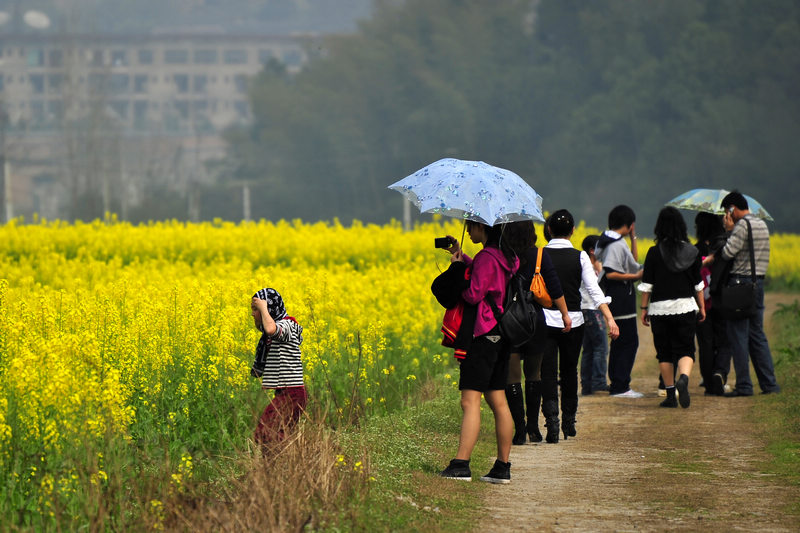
pixel 90 122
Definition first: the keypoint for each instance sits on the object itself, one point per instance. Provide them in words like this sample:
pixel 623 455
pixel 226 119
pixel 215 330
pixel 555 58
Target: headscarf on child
pixel 278 312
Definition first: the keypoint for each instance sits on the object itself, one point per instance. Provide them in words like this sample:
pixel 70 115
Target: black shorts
pixel 673 336
pixel 485 367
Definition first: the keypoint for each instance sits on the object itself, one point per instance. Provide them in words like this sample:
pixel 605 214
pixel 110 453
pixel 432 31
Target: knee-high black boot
pixel 550 412
pixel 569 408
pixel 517 408
pixel 533 399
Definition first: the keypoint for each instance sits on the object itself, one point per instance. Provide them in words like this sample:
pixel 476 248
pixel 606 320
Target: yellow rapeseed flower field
pixel 121 342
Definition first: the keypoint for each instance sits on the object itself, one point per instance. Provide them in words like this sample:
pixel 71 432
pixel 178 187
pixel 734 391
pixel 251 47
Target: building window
pixel 119 58
pixel 182 107
pixel 235 57
pixel 55 108
pixel 264 56
pixel 140 83
pixel 120 83
pixel 205 57
pixel 56 58
pixel 37 83
pixel 37 110
pixel 55 81
pixel 140 111
pixel 241 107
pixel 241 83
pixel 98 83
pixel 176 57
pixel 145 57
pixel 181 82
pixel 120 107
pixel 199 83
pixel 36 57
pixel 97 58
pixel 292 58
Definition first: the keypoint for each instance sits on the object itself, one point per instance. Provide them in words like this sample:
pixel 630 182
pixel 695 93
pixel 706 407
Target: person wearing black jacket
pixel 528 357
pixel 672 302
pixel 563 345
pixel 714 356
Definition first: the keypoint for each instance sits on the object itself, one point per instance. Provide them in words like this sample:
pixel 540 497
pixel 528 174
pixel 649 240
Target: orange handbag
pixel 538 287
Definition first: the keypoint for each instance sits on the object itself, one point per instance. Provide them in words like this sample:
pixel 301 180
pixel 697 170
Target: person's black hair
pixel 589 243
pixel 561 224
pixel 670 228
pixel 735 199
pixel 621 215
pixel 546 230
pixel 707 226
pixel 495 236
pixel 521 237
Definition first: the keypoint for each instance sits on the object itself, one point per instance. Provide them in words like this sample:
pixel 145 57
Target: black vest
pixel 567 262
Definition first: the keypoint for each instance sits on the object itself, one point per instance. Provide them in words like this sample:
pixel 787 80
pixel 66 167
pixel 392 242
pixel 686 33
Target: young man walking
pixel 621 269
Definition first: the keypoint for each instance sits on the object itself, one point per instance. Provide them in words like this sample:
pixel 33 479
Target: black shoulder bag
pixel 737 301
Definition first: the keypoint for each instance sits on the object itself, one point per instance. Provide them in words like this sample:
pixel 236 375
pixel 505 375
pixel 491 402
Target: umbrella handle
pixel 463 231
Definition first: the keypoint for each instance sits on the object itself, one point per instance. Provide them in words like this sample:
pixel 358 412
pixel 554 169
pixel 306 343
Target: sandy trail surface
pixel 636 467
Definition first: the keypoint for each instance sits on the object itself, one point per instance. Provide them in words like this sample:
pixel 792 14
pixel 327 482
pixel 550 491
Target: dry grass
pixel 304 481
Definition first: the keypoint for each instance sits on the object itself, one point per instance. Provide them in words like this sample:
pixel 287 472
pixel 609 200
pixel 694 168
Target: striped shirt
pixel 284 367
pixel 738 248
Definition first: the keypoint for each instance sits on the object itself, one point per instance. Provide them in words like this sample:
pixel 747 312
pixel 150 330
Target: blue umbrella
pixel 709 200
pixel 472 190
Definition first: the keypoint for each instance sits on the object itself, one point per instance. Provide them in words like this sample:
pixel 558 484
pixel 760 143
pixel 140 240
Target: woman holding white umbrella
pixel 484 370
pixel 486 197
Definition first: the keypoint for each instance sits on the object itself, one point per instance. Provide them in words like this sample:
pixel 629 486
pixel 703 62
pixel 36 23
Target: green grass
pixel 406 451
pixel 778 416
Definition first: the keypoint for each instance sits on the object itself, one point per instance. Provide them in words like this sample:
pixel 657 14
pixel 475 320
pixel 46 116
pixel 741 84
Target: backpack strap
pixel 752 252
pixel 538 261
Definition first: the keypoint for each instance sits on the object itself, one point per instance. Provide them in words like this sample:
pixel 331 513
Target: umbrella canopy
pixel 472 190
pixel 709 200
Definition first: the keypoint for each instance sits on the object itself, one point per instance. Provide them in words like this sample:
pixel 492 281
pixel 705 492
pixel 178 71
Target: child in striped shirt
pixel 278 364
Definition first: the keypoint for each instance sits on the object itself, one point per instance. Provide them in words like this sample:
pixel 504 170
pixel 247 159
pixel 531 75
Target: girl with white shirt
pixel 562 348
pixel 672 302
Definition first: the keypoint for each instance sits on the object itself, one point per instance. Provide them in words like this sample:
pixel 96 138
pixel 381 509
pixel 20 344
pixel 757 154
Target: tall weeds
pixel 305 481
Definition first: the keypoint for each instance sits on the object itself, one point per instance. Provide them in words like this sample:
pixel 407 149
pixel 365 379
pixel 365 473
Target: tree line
pixel 593 103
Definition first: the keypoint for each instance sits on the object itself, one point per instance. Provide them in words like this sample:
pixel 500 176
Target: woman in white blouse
pixel 672 302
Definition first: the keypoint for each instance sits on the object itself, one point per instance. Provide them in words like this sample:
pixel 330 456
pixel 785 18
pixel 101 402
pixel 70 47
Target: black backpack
pixel 517 322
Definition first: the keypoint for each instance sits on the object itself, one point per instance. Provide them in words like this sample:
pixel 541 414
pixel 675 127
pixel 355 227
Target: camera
pixel 443 242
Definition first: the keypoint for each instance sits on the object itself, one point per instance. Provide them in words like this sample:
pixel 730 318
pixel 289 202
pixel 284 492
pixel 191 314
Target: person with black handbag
pixel 747 248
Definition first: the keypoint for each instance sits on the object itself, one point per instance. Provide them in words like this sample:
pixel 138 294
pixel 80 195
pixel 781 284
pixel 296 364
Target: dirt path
pixel 611 477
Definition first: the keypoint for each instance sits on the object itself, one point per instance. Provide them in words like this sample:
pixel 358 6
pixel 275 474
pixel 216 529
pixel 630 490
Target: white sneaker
pixel 630 393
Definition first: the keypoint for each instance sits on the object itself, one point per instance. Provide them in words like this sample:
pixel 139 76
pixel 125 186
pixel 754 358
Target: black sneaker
pixel 457 469
pixel 669 402
pixel 683 390
pixel 500 473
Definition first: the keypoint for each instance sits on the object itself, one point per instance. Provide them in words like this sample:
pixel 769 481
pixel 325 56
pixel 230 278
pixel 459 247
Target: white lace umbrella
pixel 471 190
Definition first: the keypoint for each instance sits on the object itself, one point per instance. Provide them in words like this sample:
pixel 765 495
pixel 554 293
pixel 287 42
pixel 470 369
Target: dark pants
pixel 621 356
pixel 594 359
pixel 561 353
pixel 713 352
pixel 280 415
pixel 747 338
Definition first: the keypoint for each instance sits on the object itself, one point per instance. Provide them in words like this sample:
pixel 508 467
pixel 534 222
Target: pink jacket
pixel 490 274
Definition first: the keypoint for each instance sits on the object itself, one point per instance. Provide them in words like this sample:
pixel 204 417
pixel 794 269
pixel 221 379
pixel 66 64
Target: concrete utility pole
pixel 246 201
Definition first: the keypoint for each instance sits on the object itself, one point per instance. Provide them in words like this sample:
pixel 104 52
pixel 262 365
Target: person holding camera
pixel 484 370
